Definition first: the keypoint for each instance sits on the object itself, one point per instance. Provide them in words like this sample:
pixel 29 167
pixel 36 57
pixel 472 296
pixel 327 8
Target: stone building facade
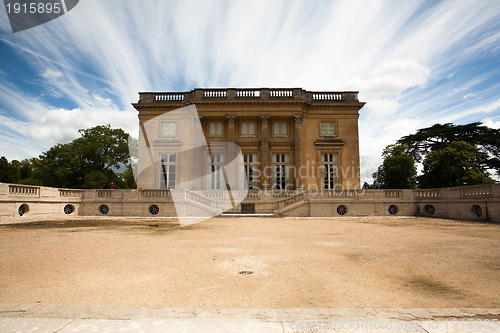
pixel 293 152
pixel 289 138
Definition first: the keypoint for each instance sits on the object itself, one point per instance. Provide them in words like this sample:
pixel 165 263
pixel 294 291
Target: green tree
pixel 102 148
pixel 438 137
pixel 58 167
pixel 99 178
pixel 459 163
pixel 25 169
pixel 90 161
pixel 128 178
pixel 9 173
pixel 398 169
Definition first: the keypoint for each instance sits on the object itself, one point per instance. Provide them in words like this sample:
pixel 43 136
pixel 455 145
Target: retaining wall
pixel 21 203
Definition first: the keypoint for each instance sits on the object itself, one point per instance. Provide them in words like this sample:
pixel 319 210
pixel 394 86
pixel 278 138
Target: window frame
pixel 215 178
pixel 280 134
pixel 250 171
pixel 248 135
pixel 337 180
pixel 283 166
pixel 165 180
pixel 163 134
pixel 215 122
pixel 335 131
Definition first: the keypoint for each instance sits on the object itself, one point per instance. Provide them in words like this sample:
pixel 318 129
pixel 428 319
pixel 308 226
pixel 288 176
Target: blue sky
pixel 415 63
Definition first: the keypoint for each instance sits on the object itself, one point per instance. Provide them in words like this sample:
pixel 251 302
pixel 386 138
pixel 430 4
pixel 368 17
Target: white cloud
pixel 39 126
pixel 475 111
pixel 491 123
pixel 391 79
pixel 375 136
pixel 493 106
pixel 59 126
pixel 440 33
pixel 19 105
pixel 381 107
pixel 50 74
pixel 470 95
pixel 14 143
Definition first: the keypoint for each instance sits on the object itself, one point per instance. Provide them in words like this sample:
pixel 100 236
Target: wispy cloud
pixel 391 79
pixel 414 63
pixel 50 74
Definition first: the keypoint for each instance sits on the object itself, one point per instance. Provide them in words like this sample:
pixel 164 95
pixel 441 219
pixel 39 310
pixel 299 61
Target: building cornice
pixel 256 96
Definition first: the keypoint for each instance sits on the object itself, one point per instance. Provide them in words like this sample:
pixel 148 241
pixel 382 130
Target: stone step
pixel 247 215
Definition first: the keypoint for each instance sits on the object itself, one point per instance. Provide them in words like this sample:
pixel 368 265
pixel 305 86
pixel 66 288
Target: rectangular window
pixel 216 179
pixel 215 128
pixel 330 170
pixel 280 168
pixel 247 128
pixel 249 177
pixel 168 129
pixel 327 128
pixel 280 128
pixel 167 171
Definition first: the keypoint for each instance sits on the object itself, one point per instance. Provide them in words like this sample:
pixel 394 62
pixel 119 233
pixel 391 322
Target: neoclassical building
pixel 288 139
pixel 268 152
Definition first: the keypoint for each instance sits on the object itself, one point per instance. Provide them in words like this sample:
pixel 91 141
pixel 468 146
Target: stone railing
pixel 215 93
pixel 248 93
pixel 235 195
pixel 66 193
pixel 215 194
pixel 283 194
pixel 281 93
pixel 253 195
pixel 155 194
pixel 327 96
pixel 302 196
pixel 465 202
pixel 103 193
pixel 169 97
pixel 427 194
pixel 392 193
pixel 199 198
pixel 479 191
pixel 30 191
pixel 341 194
pixel 240 195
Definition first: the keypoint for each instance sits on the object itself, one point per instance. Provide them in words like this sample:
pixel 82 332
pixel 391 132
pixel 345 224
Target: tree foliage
pixel 398 169
pixel 15 171
pixel 91 161
pixel 8 172
pixel 438 137
pixel 452 155
pixel 101 148
pixel 459 163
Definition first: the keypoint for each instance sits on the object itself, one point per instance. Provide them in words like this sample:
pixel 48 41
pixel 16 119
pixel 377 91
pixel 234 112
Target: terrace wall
pixel 22 203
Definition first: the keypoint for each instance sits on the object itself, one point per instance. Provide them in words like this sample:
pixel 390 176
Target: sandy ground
pixel 284 263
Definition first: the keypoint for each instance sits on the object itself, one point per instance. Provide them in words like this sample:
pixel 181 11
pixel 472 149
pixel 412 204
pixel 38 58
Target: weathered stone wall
pixel 21 203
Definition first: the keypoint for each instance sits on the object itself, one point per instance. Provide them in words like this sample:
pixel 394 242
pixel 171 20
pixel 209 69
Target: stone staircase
pixel 293 202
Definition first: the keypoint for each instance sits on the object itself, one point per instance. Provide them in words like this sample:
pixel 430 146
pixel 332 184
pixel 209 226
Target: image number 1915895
pixel 28 14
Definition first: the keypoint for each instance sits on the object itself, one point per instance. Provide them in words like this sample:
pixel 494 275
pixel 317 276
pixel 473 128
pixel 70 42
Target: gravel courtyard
pixel 252 262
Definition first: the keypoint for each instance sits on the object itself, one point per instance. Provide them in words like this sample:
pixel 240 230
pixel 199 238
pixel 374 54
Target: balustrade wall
pixel 20 203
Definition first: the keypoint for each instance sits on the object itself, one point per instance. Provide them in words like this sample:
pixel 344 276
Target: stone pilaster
pixel 298 149
pixel 231 131
pixel 264 153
